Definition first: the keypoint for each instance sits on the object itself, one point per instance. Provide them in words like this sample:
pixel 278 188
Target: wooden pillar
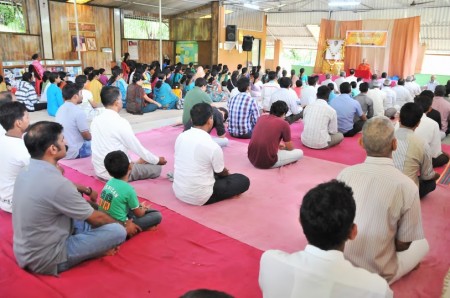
pixel 215 31
pixel 278 49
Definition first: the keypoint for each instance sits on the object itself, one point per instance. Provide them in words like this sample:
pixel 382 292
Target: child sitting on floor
pixel 119 199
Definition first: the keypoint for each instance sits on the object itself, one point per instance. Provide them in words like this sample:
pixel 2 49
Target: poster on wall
pixel 335 49
pixel 186 52
pixel 133 49
pixel 365 38
pixel 78 44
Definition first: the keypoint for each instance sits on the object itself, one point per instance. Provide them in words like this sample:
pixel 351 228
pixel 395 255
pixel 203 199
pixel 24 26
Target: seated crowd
pixel 350 251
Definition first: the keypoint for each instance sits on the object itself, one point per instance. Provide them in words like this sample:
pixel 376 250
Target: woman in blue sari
pixel 163 93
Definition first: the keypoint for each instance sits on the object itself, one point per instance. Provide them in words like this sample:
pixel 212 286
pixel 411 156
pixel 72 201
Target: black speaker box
pixel 230 33
pixel 247 43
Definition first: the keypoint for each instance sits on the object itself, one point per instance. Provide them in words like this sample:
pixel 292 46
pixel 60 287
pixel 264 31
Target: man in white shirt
pixel 378 98
pixel 403 95
pixel 309 92
pixel 428 130
pixel 413 88
pixel 320 123
pixel 200 175
pixel 327 217
pixel 391 240
pixel 13 153
pixel 328 80
pixel 286 94
pixel 351 77
pixel 268 89
pixel 110 132
pixel 389 102
pixel 431 85
pixel 341 79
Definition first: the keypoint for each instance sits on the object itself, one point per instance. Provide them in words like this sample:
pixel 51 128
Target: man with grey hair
pixel 340 80
pixel 431 85
pixel 412 87
pixel 391 240
pixel 328 80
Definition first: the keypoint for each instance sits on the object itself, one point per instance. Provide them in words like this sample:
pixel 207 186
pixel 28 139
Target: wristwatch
pixel 89 190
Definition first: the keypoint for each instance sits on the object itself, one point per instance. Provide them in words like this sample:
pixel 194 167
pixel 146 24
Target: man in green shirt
pixel 193 97
pixel 119 199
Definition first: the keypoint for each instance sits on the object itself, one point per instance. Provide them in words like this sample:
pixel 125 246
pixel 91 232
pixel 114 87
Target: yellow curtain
pixel 404 46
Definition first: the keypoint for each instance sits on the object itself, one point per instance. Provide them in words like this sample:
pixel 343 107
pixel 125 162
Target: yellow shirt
pixel 3 87
pixel 95 87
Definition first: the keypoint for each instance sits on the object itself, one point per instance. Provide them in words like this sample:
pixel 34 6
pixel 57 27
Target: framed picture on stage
pixel 335 49
pixel 78 44
pixel 91 44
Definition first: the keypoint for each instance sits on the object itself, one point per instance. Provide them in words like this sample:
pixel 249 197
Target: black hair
pixel 53 76
pixel 115 73
pixel 302 70
pixel 161 77
pixel 353 84
pixel 45 76
pixel 10 112
pixel 364 87
pixel 101 70
pixel 292 72
pixel 40 136
pixel 35 56
pixel 278 68
pixel 26 77
pixel 200 82
pixel 345 88
pixel 137 76
pixel 239 66
pixel 62 74
pixel 299 83
pixel 225 113
pixel 427 93
pixel 70 89
pixel 352 71
pixel 125 57
pixel 242 84
pixel 5 96
pixel 410 114
pixel 374 76
pixel 440 90
pixel 401 82
pixel 279 108
pixel 284 73
pixel 327 213
pixel 109 95
pixel 256 75
pixel 81 80
pixel 200 113
pixel 117 164
pixel 384 75
pixel 424 101
pixel 311 80
pixel 205 293
pixel 323 92
pixel 285 82
pixel 330 86
pixel 272 75
pixel 91 76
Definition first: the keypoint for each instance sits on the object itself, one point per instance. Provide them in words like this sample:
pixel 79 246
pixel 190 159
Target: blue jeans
pixel 150 107
pixel 85 150
pixel 89 243
pixel 150 219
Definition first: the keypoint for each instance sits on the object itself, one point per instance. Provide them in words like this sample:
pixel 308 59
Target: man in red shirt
pixel 265 150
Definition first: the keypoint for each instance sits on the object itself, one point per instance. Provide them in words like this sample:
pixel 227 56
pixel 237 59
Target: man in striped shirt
pixel 390 241
pixel 243 112
pixel 25 92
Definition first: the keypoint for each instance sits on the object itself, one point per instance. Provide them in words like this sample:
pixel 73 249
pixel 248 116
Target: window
pixel 270 52
pixel 144 28
pixel 436 64
pixel 11 17
pixel 304 57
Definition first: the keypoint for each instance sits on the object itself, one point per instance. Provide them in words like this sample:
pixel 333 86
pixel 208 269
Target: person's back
pixel 320 270
pixel 378 98
pixel 441 105
pixel 309 92
pixel 402 94
pixel 268 89
pixel 347 110
pixel 54 95
pixel 26 93
pixel 365 101
pixel 387 208
pixel 193 97
pixel 289 97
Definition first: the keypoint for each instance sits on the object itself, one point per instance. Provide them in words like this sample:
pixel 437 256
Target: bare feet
pixel 112 251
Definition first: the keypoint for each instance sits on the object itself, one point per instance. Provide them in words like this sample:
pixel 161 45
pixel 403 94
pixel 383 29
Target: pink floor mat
pixel 265 217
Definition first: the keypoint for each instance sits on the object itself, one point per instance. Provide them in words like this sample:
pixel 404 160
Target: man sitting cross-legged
pixel 320 123
pixel 54 227
pixel 119 199
pixel 111 132
pixel 264 149
pixel 200 176
pixel 390 241
pixel 13 153
pixel 327 217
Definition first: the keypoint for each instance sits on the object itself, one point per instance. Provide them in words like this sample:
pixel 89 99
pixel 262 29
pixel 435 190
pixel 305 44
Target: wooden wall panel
pixel 18 46
pixel 190 29
pixel 204 53
pixel 61 14
pixel 149 50
pixel 33 18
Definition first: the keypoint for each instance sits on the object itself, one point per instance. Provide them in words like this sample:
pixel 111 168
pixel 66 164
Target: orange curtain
pixel 353 55
pixel 326 32
pixel 404 46
pixel 420 57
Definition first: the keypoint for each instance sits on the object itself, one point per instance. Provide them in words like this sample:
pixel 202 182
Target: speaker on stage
pixel 247 43
pixel 230 33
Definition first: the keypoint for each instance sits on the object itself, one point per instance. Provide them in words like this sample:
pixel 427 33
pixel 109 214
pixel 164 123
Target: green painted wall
pixel 309 70
pixel 422 79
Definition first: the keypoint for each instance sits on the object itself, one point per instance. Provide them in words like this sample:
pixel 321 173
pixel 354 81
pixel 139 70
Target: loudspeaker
pixel 247 43
pixel 230 33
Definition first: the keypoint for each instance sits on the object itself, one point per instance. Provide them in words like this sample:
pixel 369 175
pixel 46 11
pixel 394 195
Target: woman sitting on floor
pixel 117 80
pixel 214 89
pixel 137 101
pixel 163 93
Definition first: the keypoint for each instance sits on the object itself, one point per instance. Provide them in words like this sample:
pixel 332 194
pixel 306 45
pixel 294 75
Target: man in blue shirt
pixel 347 110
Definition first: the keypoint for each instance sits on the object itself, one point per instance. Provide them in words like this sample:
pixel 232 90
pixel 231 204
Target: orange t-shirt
pixel 363 66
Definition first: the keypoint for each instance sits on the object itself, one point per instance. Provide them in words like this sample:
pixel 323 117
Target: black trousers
pixel 357 127
pixel 245 136
pixel 228 187
pixel 440 160
pixel 426 186
pixel 292 118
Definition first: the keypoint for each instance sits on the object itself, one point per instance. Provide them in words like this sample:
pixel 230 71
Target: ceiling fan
pixel 414 3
